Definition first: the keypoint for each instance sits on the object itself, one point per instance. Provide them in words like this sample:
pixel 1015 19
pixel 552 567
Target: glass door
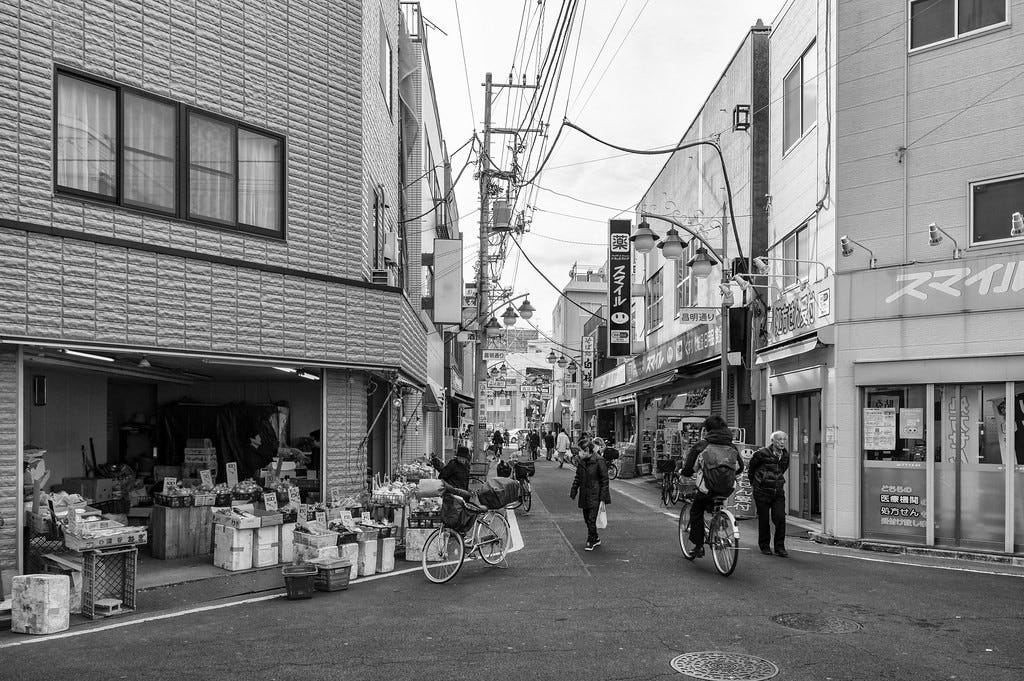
pixel 799 416
pixel 970 465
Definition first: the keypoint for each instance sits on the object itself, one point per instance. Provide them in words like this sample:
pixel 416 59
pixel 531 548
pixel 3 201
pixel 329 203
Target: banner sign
pixel 800 310
pixel 490 355
pixel 691 346
pixel 587 362
pixel 698 315
pixel 619 289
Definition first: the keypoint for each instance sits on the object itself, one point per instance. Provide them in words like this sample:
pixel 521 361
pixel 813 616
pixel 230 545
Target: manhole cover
pixel 716 666
pixel 819 624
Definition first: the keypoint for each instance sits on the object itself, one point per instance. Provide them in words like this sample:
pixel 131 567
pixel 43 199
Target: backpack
pixel 504 470
pixel 717 465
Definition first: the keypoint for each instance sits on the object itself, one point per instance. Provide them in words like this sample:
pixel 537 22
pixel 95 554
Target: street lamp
pixel 701 263
pixel 643 238
pixel 562 362
pixel 552 358
pixel 673 246
pixel 509 317
pixel 526 310
pixel 492 328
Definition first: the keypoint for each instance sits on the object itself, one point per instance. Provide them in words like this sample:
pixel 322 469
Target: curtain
pixel 975 14
pixel 86 136
pixel 149 153
pixel 259 180
pixel 211 172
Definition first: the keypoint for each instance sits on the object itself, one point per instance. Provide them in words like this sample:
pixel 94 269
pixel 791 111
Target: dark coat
pixel 767 473
pixel 497 439
pixel 591 482
pixel 718 437
pixel 456 474
pixel 549 441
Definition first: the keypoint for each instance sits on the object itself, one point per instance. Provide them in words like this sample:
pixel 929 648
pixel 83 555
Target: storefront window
pixel 894 423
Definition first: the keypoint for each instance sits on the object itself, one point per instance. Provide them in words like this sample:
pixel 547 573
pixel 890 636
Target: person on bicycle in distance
pixel 716 462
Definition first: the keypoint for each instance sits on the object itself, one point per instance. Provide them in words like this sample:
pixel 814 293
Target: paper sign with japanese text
pixel 206 478
pixel 231 469
pixel 321 517
pixel 365 516
pixel 293 496
pixel 169 484
pixel 270 501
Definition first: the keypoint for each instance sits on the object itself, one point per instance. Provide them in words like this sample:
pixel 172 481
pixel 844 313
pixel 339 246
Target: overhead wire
pixel 465 66
pixel 611 61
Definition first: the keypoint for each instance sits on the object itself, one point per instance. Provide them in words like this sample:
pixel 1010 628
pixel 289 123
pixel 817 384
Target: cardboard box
pixel 41 604
pixel 386 554
pixel 96 489
pixel 232 548
pixel 229 518
pixel 367 557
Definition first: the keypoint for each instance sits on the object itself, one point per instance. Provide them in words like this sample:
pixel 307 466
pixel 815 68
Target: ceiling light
pixel 144 363
pixel 87 355
pixel 286 370
pixel 308 375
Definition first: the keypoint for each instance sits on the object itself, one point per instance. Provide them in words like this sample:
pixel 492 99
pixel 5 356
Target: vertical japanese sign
pixel 619 285
pixel 587 362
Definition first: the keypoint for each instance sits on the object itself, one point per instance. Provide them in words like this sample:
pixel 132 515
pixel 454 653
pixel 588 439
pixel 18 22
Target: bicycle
pixel 721 533
pixel 445 550
pixel 521 473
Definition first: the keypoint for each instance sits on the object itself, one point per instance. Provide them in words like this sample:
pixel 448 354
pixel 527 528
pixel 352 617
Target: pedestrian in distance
pixel 534 444
pixel 562 445
pixel 549 444
pixel 591 486
pixel 767 475
pixel 716 462
pixel 497 441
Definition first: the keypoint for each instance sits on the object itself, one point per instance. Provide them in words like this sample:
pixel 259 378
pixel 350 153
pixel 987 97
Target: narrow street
pixel 623 611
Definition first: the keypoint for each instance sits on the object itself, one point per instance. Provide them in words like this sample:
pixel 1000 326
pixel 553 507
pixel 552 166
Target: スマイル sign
pixel 619 284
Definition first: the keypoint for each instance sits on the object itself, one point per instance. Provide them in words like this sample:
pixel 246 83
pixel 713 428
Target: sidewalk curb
pixel 915 550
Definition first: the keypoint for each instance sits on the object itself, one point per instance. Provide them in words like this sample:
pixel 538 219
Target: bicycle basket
pixel 455 515
pixel 524 469
pixel 666 465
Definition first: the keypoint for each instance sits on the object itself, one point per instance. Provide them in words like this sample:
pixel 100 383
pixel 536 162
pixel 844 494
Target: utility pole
pixel 482 299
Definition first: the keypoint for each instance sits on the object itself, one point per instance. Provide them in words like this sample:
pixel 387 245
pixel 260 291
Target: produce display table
pixel 181 532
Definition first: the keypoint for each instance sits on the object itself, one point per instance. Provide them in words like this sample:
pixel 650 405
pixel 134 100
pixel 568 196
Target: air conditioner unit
pixel 390 247
pixel 383 277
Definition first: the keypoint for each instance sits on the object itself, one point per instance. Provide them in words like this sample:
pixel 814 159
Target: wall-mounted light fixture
pixel 844 243
pixel 1016 225
pixel 935 238
pixel 88 355
pixel 741 117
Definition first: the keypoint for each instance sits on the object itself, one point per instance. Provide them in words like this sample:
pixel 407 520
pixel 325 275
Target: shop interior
pixel 112 425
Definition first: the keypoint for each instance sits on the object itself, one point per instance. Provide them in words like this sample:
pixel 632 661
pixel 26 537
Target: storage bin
pixel 299 580
pixel 332 575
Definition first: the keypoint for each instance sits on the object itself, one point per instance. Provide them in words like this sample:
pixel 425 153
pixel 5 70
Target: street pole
pixel 482 304
pixel 725 326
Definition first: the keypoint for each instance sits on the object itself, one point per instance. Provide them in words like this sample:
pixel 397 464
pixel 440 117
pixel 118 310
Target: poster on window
pixel 961 416
pixel 879 428
pixel 912 423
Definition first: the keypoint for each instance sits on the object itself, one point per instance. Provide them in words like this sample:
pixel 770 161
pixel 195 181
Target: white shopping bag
pixel 602 517
pixel 515 536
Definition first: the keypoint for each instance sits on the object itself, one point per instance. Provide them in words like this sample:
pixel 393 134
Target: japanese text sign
pixel 619 289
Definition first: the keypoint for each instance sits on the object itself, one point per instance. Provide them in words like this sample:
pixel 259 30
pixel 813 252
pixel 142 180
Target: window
pixel 686 282
pixel 992 205
pixel 800 98
pixel 796 246
pixel 386 67
pixel 935 21
pixel 655 294
pixel 122 145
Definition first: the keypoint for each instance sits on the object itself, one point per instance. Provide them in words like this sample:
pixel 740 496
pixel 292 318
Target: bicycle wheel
pixel 724 543
pixel 677 490
pixel 685 544
pixel 613 471
pixel 527 496
pixel 443 554
pixel 666 490
pixel 492 537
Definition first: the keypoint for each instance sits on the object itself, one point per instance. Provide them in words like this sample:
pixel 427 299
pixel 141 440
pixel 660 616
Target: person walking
pixel 497 441
pixel 562 445
pixel 768 467
pixel 534 440
pixel 549 444
pixel 591 485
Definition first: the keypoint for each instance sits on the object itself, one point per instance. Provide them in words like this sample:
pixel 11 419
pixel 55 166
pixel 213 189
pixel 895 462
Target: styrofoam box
pixel 414 540
pixel 40 604
pixel 350 552
pixel 304 554
pixel 386 554
pixel 232 548
pixel 367 557
pixel 285 541
pixel 266 551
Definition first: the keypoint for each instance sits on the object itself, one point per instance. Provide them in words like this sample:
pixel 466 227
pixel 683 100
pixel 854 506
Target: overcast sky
pixel 651 65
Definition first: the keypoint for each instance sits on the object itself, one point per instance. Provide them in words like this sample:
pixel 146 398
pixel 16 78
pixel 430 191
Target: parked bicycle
pixel 721 534
pixel 445 550
pixel 671 481
pixel 521 471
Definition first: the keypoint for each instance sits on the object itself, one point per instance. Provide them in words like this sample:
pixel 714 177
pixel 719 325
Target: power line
pixel 550 283
pixel 612 60
pixel 465 66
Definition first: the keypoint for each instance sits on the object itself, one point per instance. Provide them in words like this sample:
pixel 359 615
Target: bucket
pixel 299 580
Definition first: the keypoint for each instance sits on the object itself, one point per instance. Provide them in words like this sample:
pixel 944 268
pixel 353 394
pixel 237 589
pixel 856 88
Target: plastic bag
pixel 602 517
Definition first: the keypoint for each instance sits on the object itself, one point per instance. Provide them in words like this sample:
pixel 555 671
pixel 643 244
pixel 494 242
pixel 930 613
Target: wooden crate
pixel 181 532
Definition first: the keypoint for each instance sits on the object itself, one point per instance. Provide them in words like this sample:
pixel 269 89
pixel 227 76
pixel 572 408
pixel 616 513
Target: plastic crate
pixel 173 501
pixel 114 505
pixel 666 465
pixel 108 582
pixel 315 540
pixel 333 578
pixel 204 499
pixel 122 539
pixel 299 580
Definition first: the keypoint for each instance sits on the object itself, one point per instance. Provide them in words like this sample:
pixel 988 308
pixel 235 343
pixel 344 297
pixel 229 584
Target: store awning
pixel 462 399
pixel 768 355
pixel 433 396
pixel 611 397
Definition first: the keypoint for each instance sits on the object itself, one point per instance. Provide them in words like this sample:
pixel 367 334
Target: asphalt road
pixel 623 611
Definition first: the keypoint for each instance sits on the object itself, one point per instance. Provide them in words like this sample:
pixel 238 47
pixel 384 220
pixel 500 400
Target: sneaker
pixel 597 543
pixel 698 552
pixel 766 551
pixel 781 553
pixel 589 547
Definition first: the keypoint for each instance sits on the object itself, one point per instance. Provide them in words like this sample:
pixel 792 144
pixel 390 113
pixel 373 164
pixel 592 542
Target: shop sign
pixel 801 310
pixel 698 315
pixel 619 289
pixel 496 383
pixel 610 379
pixel 985 283
pixel 587 362
pixel 490 355
pixel 894 504
pixel 693 345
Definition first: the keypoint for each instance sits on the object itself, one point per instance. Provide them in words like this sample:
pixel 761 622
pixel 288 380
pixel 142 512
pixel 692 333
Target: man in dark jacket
pixel 715 449
pixel 591 484
pixel 768 466
pixel 534 440
pixel 549 443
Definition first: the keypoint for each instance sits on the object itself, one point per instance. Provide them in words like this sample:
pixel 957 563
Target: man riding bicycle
pixel 716 462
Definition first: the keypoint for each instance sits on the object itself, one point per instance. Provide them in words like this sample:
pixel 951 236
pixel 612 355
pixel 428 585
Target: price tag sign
pixel 346 518
pixel 169 484
pixel 206 477
pixel 269 478
pixel 231 468
pixel 321 517
pixel 365 517
pixel 270 501
pixel 301 520
pixel 293 496
pixel 335 495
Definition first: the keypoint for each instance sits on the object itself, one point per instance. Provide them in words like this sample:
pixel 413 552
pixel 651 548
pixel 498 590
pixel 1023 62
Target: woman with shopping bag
pixel 591 484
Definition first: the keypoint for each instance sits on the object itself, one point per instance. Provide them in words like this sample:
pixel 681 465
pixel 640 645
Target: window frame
pixel 387 66
pixel 686 278
pixel 805 127
pixel 970 211
pixel 956 26
pixel 794 274
pixel 653 301
pixel 182 159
